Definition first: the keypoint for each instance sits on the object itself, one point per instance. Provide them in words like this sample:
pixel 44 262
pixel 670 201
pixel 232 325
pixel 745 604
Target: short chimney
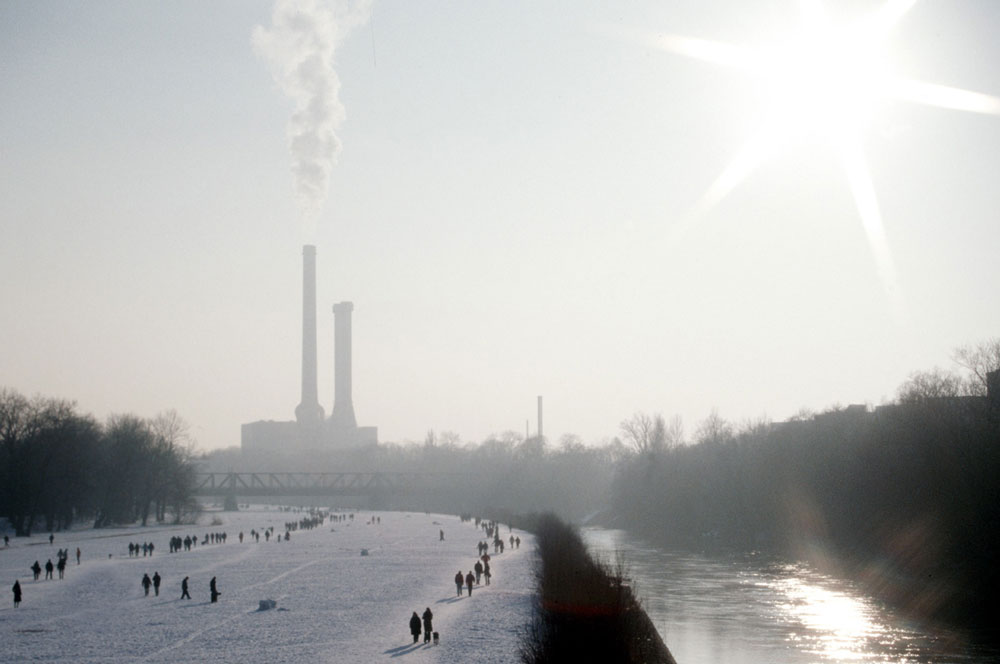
pixel 343 406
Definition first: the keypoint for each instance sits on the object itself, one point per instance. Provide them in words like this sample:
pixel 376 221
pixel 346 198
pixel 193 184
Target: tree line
pixel 903 496
pixel 58 466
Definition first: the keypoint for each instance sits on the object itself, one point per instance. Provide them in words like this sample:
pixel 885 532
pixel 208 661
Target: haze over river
pixel 748 609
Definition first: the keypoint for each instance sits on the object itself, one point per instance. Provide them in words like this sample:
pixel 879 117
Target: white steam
pixel 299 48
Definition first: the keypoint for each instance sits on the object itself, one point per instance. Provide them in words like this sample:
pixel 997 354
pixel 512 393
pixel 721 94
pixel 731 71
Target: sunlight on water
pixel 837 626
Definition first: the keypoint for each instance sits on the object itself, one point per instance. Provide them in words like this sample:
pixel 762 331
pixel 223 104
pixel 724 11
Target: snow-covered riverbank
pixel 333 604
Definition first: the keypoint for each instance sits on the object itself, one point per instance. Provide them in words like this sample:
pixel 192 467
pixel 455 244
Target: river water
pixel 752 609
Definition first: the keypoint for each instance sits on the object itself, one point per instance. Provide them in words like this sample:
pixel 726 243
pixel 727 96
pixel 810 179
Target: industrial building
pixel 311 431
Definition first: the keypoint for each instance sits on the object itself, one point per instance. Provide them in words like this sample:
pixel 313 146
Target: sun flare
pixel 824 83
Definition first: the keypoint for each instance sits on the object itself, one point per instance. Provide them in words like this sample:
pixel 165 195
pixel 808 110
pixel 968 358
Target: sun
pixel 825 82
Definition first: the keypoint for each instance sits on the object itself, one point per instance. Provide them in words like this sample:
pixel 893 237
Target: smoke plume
pixel 299 48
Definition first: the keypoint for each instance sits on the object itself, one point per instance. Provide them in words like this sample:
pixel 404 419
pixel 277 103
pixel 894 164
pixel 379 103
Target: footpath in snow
pixel 333 604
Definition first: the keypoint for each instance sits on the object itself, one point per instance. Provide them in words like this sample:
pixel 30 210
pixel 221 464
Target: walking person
pixel 458 581
pixel 156 583
pixel 428 616
pixel 36 569
pixel 479 571
pixel 77 555
pixel 486 572
pixel 61 566
pixel 48 569
pixel 213 590
pixel 184 589
pixel 469 580
pixel 17 593
pixel 415 626
pixel 146 583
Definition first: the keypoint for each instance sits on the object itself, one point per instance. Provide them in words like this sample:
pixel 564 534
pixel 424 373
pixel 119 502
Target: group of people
pixel 146 548
pixel 185 594
pixel 416 622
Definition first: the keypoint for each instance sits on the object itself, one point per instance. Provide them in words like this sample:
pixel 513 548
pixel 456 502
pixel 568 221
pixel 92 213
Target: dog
pixel 436 639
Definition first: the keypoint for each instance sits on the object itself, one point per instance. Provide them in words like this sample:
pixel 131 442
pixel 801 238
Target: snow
pixel 333 604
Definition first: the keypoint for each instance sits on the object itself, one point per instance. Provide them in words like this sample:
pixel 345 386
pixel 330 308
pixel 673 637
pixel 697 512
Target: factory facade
pixel 311 430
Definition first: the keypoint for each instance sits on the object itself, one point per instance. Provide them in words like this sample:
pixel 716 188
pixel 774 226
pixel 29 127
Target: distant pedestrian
pixel 479 571
pixel 6 540
pixel 61 566
pixel 17 593
pixel 146 583
pixel 428 616
pixel 486 573
pixel 48 569
pixel 184 589
pixel 458 581
pixel 77 555
pixel 213 590
pixel 51 538
pixel 469 580
pixel 441 535
pixel 36 569
pixel 415 626
pixel 156 583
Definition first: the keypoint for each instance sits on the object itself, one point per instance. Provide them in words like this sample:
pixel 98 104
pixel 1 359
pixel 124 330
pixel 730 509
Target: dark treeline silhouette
pixel 587 611
pixel 903 496
pixel 58 466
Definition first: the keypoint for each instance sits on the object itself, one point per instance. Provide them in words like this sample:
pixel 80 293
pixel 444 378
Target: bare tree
pixel 645 434
pixel 933 384
pixel 714 429
pixel 979 359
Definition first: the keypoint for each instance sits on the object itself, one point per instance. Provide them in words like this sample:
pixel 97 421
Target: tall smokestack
pixel 540 435
pixel 309 412
pixel 343 406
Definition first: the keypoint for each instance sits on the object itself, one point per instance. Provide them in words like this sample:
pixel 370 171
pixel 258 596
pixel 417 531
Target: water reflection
pixel 758 610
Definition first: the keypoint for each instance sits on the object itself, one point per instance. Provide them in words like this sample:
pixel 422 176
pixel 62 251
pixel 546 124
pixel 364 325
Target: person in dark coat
pixel 156 583
pixel 146 583
pixel 17 593
pixel 459 579
pixel 486 573
pixel 184 589
pixel 479 571
pixel 428 616
pixel 36 569
pixel 415 626
pixel 213 590
pixel 61 566
pixel 48 569
pixel 469 580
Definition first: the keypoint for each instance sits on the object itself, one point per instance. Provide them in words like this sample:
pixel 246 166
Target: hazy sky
pixel 501 215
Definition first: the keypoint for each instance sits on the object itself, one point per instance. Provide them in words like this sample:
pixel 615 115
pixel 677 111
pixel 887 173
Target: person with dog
pixel 428 616
pixel 415 626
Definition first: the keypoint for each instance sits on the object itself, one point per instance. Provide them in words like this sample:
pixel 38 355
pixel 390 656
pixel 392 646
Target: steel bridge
pixel 322 484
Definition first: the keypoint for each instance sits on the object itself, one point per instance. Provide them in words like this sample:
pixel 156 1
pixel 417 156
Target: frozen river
pixel 333 604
